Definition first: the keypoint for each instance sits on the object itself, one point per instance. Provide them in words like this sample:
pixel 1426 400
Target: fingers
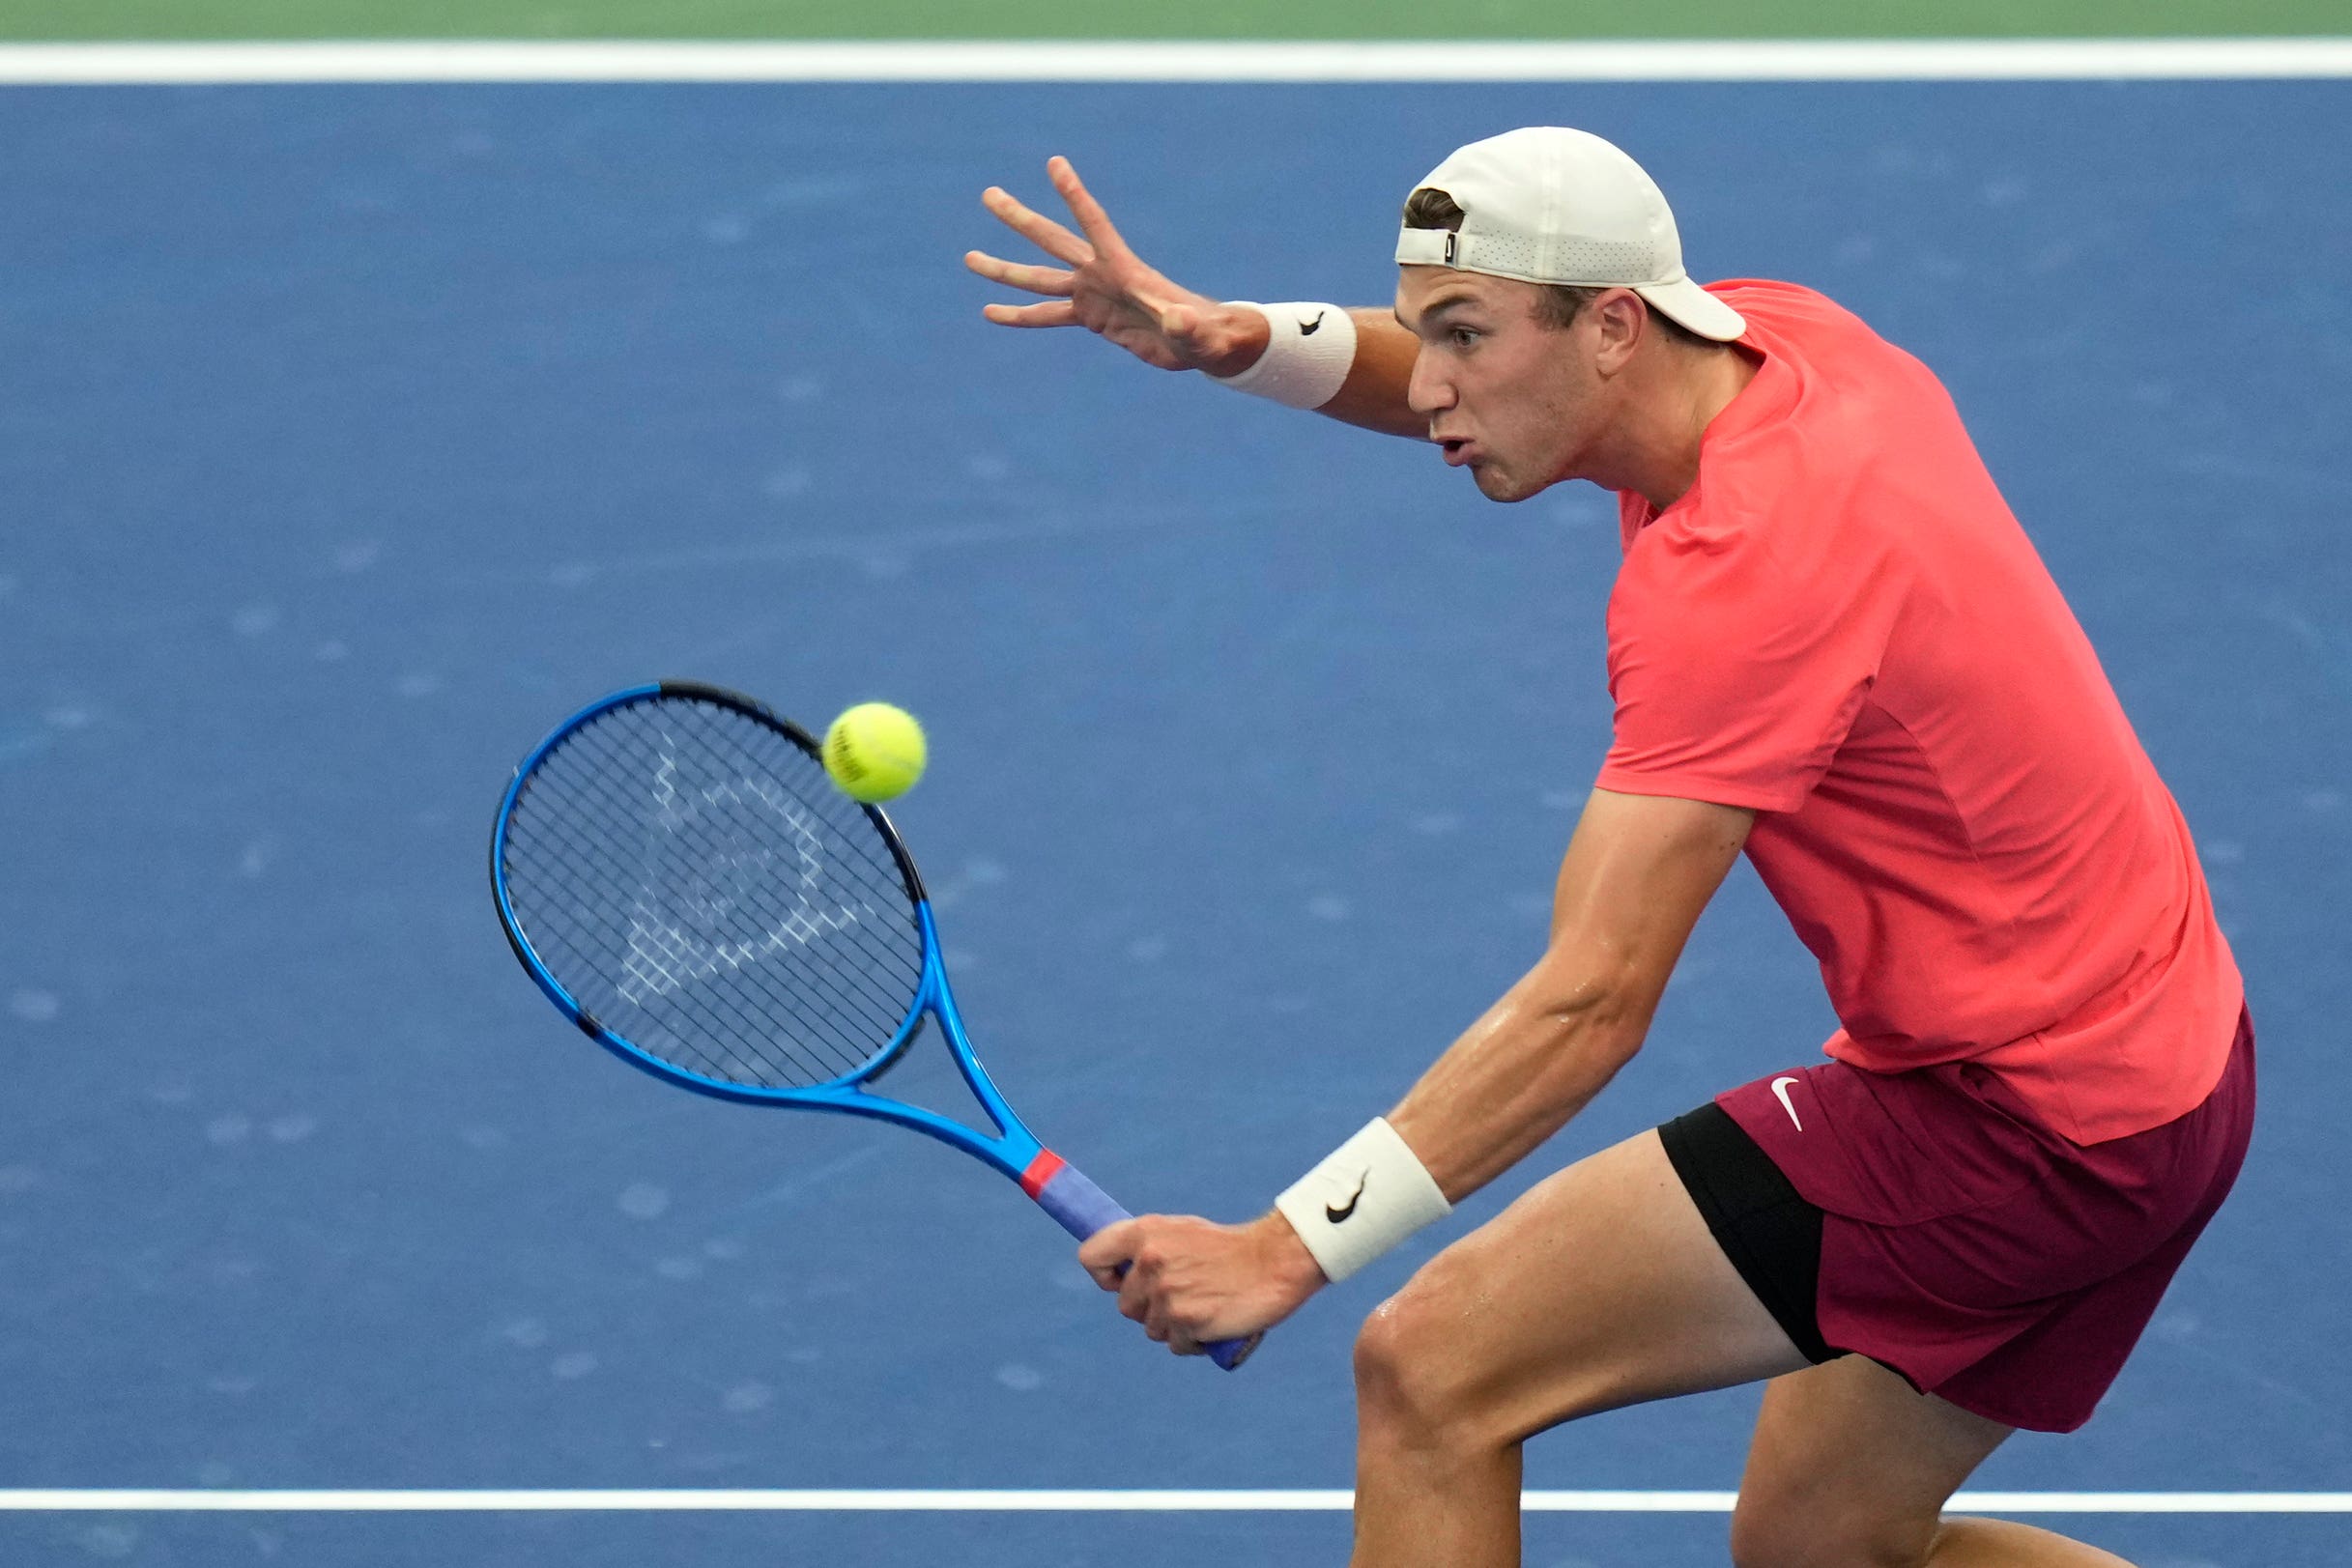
pixel 1049 313
pixel 1160 1324
pixel 1082 205
pixel 1128 1245
pixel 1144 1299
pixel 1109 1250
pixel 1039 230
pixel 1049 280
pixel 1135 1258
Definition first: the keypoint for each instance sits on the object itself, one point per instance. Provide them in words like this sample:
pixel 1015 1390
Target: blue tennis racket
pixel 677 870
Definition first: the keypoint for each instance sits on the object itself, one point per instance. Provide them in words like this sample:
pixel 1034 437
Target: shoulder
pixel 1805 456
pixel 1761 554
pixel 1784 526
pixel 1772 308
pixel 1839 371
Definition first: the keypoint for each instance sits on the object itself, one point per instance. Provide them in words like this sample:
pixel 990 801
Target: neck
pixel 1672 397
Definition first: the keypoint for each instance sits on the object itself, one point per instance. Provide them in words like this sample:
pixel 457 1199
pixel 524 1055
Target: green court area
pixel 156 19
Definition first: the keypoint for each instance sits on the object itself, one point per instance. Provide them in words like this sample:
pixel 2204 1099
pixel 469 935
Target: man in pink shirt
pixel 1831 646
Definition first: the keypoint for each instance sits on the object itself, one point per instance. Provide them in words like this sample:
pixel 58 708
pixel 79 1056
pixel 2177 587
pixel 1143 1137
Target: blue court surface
pixel 349 438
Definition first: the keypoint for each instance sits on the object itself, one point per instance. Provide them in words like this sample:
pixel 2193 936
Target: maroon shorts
pixel 1979 1254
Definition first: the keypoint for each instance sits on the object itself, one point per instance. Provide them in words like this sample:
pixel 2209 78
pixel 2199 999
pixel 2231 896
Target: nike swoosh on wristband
pixel 1780 1092
pixel 1307 328
pixel 1336 1215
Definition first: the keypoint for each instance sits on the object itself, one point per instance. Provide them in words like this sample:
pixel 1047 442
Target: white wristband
pixel 1368 1196
pixel 1308 349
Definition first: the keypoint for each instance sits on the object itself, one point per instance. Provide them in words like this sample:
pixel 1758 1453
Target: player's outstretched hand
pixel 1106 288
pixel 1191 1282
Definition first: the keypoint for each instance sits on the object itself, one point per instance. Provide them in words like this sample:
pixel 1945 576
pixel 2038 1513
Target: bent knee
pixel 1395 1357
pixel 1790 1535
pixel 1412 1377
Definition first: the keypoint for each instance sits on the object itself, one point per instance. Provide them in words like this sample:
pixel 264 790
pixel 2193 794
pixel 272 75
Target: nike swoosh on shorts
pixel 1780 1092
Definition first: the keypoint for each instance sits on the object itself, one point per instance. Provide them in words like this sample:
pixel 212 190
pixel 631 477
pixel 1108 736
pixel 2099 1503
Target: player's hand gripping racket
pixel 678 872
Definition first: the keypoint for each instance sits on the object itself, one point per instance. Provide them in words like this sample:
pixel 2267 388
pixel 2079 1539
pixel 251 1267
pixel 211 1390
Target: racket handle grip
pixel 1083 1208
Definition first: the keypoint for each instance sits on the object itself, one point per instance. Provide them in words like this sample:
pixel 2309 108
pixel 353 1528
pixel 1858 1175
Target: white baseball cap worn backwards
pixel 1551 205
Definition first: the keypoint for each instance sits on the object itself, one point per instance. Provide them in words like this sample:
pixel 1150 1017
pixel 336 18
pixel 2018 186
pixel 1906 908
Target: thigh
pixel 1850 1464
pixel 1600 1287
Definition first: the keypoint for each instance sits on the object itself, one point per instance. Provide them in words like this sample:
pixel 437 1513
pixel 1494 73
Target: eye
pixel 1461 337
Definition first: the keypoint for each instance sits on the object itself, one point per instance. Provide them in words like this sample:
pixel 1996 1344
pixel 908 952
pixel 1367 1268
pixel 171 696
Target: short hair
pixel 1560 303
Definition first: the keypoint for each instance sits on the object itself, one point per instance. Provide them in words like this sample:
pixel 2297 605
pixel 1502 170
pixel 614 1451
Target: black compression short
pixel 1772 1236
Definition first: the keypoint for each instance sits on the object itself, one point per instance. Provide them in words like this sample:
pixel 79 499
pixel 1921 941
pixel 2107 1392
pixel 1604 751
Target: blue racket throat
pixel 678 876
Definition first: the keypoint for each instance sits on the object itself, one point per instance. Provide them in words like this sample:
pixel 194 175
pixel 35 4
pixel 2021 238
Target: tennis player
pixel 1831 646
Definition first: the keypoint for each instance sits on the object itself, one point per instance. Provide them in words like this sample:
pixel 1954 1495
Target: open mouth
pixel 1456 450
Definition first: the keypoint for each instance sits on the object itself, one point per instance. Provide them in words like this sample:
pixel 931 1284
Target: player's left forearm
pixel 1373 395
pixel 1517 1076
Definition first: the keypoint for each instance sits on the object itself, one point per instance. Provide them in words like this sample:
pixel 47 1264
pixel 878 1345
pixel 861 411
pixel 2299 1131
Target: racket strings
pixel 839 996
pixel 569 956
pixel 735 1020
pixel 692 877
pixel 718 1021
pixel 885 897
pixel 871 995
pixel 890 895
pixel 847 1050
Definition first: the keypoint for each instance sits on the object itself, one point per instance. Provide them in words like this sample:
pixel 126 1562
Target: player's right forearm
pixel 1535 1059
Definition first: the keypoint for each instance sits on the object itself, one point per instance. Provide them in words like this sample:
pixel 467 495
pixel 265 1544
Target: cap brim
pixel 1692 307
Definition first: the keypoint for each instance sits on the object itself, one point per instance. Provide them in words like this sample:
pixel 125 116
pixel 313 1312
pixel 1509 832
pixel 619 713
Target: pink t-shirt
pixel 1841 627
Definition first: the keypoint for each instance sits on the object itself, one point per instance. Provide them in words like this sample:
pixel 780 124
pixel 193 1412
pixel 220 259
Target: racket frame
pixel 1013 1149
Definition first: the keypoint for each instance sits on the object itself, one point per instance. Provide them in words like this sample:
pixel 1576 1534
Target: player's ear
pixel 1620 321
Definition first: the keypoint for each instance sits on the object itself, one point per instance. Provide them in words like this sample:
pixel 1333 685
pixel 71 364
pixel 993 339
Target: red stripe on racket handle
pixel 1042 1170
pixel 1083 1208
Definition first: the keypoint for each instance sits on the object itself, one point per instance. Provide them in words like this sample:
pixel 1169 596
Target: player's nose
pixel 1428 391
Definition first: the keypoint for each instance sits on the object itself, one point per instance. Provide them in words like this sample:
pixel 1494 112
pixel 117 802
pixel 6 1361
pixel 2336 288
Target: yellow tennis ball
pixel 875 751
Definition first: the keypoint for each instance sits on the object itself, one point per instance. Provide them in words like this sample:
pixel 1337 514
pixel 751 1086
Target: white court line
pixel 1066 1501
pixel 614 61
